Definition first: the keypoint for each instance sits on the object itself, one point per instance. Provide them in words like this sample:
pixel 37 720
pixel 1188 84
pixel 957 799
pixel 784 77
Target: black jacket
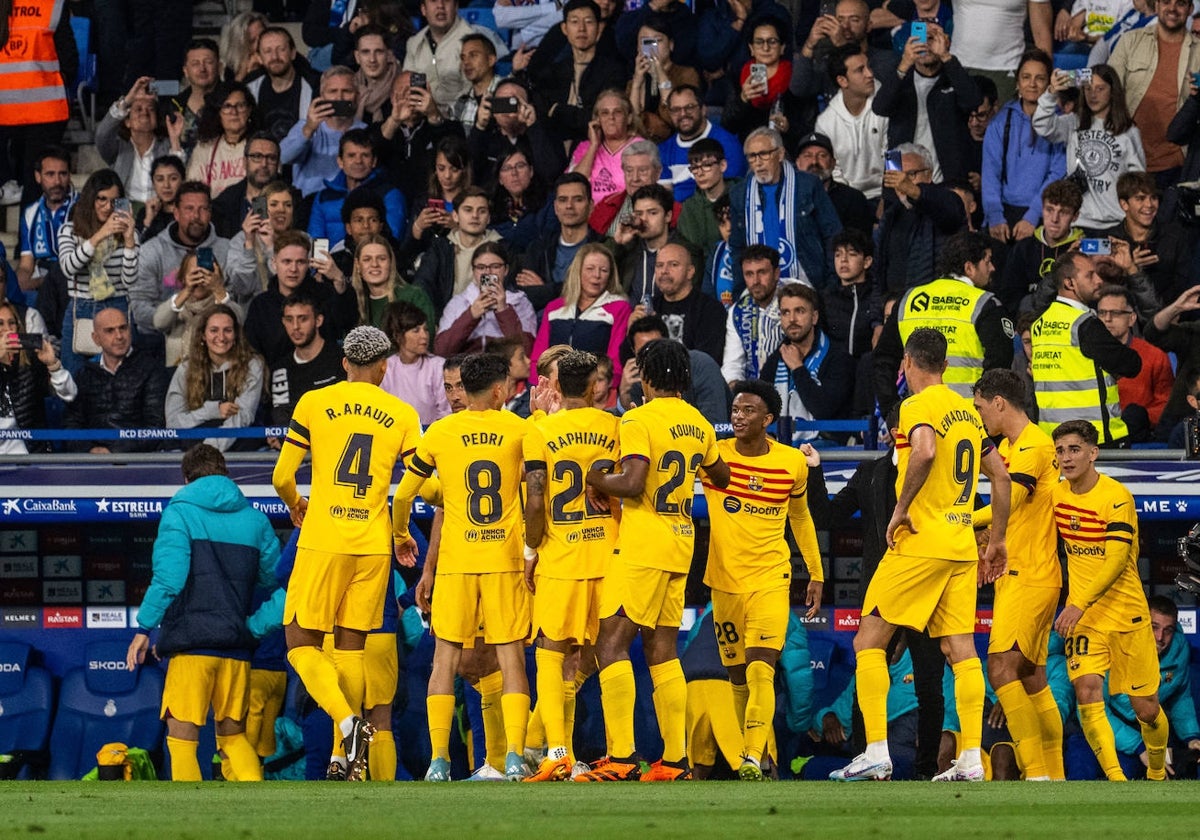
pixel 230 209
pixel 872 490
pixel 826 399
pixel 952 99
pixel 131 398
pixel 548 157
pixel 23 392
pixel 264 318
pixel 539 258
pixel 570 122
pixel 934 217
pixel 409 158
pixel 849 315
pixel 852 206
pixel 1172 243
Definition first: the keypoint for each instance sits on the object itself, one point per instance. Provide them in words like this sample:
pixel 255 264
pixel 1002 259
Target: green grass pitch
pixel 293 811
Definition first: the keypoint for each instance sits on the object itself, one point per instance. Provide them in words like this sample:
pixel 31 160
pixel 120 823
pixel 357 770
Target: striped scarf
pixel 789 266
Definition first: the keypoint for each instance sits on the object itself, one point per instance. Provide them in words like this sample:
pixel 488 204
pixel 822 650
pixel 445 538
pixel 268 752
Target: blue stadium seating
pixel 26 701
pixel 100 703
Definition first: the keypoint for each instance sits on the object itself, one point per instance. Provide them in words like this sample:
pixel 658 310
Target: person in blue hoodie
pixel 1174 693
pixel 1018 164
pixel 357 170
pixel 211 551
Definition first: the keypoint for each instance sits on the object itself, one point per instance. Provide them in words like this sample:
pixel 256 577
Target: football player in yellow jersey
pixel 749 562
pixel 477 455
pixel 568 543
pixel 1106 622
pixel 664 444
pixel 357 433
pixel 928 577
pixel 1027 594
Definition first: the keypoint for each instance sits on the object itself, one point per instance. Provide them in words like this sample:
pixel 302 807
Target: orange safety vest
pixel 32 90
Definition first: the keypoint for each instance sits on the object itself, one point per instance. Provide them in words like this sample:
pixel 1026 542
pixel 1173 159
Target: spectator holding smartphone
pixel 27 377
pixel 220 381
pixel 98 253
pixel 485 311
pixel 311 147
pixel 203 284
pixel 131 135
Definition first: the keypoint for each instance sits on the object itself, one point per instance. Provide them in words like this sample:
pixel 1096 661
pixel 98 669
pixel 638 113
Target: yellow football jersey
pixel 676 441
pixel 579 537
pixel 356 432
pixel 1099 531
pixel 477 455
pixel 941 513
pixel 747 550
pixel 1032 537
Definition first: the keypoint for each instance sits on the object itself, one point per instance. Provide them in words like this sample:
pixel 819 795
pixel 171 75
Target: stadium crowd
pixel 790 192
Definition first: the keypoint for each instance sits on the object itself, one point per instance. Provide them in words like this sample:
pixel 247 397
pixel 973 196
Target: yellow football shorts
pixel 196 682
pixel 1022 617
pixel 566 610
pixel 647 597
pixel 749 619
pixel 343 590
pixel 499 599
pixel 1130 658
pixel 924 592
pixel 267 692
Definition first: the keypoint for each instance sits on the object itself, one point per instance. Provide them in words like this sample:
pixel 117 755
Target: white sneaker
pixel 580 768
pixel 487 773
pixel 533 757
pixel 863 769
pixel 960 773
pixel 10 193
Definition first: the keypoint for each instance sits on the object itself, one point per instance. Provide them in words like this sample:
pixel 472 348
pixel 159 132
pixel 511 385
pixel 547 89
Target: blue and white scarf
pixel 43 232
pixel 759 331
pixel 785 218
pixel 794 407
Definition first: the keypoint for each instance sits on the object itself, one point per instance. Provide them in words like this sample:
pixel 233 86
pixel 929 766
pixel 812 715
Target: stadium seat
pixel 86 83
pixel 26 701
pixel 102 702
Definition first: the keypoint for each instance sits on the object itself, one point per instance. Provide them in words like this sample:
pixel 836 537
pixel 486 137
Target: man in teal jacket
pixel 1174 693
pixel 212 549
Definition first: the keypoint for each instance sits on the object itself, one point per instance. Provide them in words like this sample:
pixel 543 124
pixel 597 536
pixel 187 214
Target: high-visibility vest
pixel 32 90
pixel 950 306
pixel 1069 385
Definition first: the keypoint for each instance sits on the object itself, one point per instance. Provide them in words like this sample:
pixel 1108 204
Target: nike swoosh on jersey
pixel 1122 504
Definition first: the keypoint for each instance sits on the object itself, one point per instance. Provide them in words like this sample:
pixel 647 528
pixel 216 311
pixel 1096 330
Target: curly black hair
pixel 665 365
pixel 762 390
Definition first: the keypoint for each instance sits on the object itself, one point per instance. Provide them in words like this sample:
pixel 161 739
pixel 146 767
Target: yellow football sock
pixel 440 710
pixel 741 699
pixel 760 710
pixel 1050 724
pixel 184 766
pixel 569 690
pixel 516 721
pixel 969 693
pixel 239 759
pixel 1154 736
pixel 1099 734
pixel 535 730
pixel 618 694
pixel 351 676
pixel 490 688
pixel 551 698
pixel 874 682
pixel 381 758
pixel 320 678
pixel 1025 727
pixel 670 702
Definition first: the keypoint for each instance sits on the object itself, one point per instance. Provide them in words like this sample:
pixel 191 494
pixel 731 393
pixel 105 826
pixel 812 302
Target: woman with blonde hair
pixel 220 381
pixel 176 316
pixel 592 314
pixel 239 45
pixel 377 282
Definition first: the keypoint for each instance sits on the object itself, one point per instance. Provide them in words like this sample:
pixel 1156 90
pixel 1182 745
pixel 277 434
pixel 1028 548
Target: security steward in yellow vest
pixel 1076 360
pixel 979 333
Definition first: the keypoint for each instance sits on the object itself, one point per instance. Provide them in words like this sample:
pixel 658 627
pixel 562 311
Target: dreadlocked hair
pixel 665 365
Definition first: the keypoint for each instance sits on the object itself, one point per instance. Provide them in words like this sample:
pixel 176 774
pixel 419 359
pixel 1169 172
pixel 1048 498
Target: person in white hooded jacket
pixel 858 134
pixel 1102 141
